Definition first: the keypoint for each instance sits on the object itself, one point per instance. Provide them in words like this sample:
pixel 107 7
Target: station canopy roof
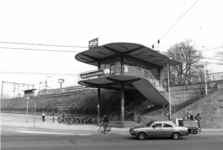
pixel 127 49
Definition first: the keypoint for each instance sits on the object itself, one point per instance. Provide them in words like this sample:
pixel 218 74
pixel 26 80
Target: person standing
pixel 188 116
pixel 198 118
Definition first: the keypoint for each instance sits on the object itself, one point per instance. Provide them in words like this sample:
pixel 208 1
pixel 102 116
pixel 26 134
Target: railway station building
pixel 127 66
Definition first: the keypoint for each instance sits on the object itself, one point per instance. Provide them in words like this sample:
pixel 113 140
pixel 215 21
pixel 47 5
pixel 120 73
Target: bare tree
pixel 189 57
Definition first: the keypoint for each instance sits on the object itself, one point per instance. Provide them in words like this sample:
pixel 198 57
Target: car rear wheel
pixel 141 136
pixel 176 136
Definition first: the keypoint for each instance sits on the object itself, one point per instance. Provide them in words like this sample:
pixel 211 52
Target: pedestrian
pixel 53 116
pixel 188 116
pixel 43 116
pixel 198 118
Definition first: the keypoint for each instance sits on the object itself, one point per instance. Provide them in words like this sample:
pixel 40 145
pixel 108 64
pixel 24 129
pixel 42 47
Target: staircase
pixel 150 93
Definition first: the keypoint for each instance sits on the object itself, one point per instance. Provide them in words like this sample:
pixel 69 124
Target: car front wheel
pixel 141 136
pixel 176 136
pixel 195 131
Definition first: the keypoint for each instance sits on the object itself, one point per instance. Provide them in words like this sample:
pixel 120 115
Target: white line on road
pixel 55 133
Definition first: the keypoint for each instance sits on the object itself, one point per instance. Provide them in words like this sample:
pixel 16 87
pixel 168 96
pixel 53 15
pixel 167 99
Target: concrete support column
pixel 122 106
pixel 122 65
pixel 162 76
pixel 99 105
pixel 170 109
pixel 99 99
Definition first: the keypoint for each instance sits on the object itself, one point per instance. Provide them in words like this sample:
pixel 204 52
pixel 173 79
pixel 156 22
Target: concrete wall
pixel 180 94
pixel 220 84
pixel 210 107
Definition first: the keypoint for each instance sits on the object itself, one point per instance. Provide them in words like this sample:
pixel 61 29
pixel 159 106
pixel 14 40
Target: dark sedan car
pixel 159 129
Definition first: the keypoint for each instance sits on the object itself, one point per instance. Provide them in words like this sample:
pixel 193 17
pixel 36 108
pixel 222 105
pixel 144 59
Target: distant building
pixel 29 93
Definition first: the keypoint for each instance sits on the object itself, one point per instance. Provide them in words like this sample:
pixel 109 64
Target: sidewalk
pixel 19 120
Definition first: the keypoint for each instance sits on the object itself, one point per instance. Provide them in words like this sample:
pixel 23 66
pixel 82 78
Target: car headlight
pixel 132 131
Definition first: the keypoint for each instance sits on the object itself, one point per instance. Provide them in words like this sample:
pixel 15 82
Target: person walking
pixel 43 116
pixel 53 116
pixel 198 118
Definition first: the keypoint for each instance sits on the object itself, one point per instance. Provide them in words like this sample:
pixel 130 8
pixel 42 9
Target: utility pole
pixel 28 94
pixel 2 90
pixel 14 91
pixel 46 83
pixel 14 83
pixel 205 79
pixel 35 115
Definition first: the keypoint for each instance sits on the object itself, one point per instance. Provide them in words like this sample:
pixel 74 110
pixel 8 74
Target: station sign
pixel 92 74
pixel 93 43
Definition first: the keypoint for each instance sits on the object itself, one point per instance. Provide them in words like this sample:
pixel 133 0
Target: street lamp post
pixel 39 85
pixel 46 83
pixel 61 81
pixel 27 106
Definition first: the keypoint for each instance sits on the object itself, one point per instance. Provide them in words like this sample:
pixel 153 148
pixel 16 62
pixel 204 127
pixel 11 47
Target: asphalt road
pixel 11 140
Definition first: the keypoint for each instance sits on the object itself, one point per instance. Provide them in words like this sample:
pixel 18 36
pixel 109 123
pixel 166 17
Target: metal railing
pixel 141 74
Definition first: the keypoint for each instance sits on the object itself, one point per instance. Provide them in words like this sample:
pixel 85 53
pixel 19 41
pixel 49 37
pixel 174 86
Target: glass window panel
pixel 126 69
pixel 112 69
pixel 117 68
pixel 166 125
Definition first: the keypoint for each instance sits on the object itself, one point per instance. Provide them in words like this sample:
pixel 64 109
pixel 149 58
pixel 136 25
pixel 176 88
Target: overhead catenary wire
pixel 43 44
pixel 211 49
pixel 212 58
pixel 72 46
pixel 192 41
pixel 38 73
pixel 158 41
pixel 205 39
pixel 32 49
pixel 209 38
pixel 73 52
pixel 45 50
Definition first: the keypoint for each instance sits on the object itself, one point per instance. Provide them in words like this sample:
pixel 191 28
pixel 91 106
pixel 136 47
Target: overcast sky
pixel 74 23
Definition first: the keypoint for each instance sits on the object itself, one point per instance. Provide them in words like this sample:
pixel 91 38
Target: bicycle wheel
pixel 99 130
pixel 108 130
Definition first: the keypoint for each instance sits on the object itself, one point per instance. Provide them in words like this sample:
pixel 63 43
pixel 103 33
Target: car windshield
pixel 174 124
pixel 150 123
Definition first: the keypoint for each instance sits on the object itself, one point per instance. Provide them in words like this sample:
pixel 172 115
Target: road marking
pixel 55 133
pixel 84 134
